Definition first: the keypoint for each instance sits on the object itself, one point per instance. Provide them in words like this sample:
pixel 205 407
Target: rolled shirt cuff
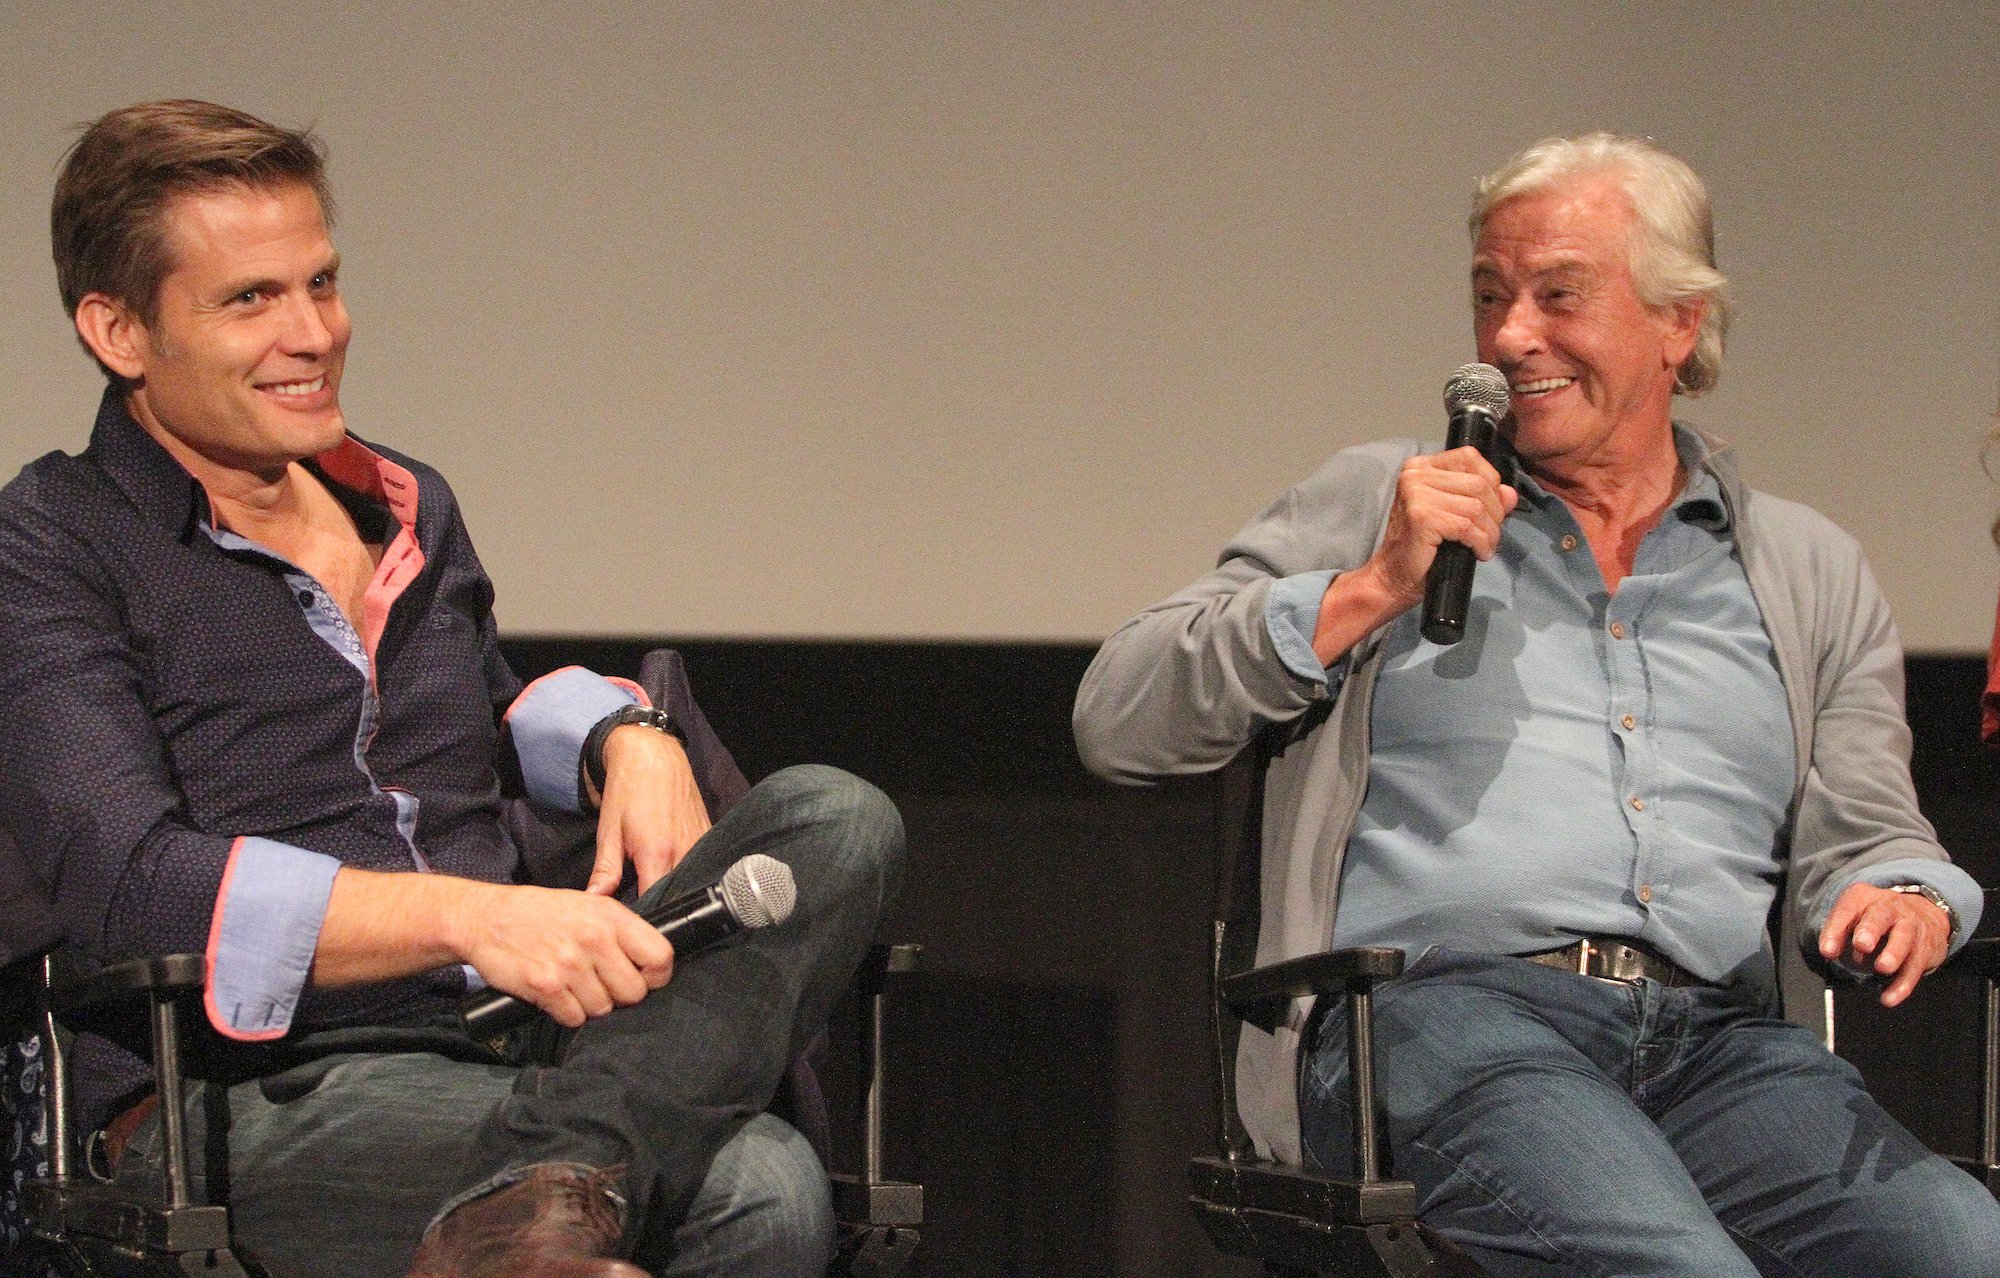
pixel 1291 614
pixel 548 723
pixel 263 936
pixel 1968 901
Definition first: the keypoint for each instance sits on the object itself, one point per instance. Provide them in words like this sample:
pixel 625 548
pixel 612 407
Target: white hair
pixel 1673 241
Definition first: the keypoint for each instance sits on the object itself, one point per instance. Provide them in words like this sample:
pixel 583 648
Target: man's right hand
pixel 573 954
pixel 1449 496
pixel 1452 496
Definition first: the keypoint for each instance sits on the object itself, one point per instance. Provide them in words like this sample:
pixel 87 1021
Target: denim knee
pixel 765 1210
pixel 863 832
pixel 1943 1224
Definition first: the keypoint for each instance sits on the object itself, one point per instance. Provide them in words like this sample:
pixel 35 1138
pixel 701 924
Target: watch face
pixel 652 717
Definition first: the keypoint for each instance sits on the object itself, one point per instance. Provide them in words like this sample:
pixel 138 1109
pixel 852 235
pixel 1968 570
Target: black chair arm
pixel 107 1224
pixel 880 1219
pixel 1258 996
pixel 1980 958
pixel 171 975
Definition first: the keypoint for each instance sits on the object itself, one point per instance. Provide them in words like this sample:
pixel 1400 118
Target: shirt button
pixel 306 598
pixel 1638 804
pixel 1645 893
pixel 1629 722
pixel 1569 541
pixel 1617 630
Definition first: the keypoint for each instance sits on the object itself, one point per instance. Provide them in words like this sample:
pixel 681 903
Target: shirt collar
pixel 146 473
pixel 1700 502
pixel 163 490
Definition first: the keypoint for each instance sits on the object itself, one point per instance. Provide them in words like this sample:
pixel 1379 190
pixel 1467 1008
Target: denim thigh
pixel 765 1210
pixel 337 1167
pixel 1808 1173
pixel 1557 1124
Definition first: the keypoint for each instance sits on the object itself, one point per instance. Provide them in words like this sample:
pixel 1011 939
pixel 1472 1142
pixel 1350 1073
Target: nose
pixel 1520 332
pixel 311 326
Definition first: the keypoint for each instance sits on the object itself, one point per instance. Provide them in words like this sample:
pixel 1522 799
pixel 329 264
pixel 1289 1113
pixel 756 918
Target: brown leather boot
pixel 557 1221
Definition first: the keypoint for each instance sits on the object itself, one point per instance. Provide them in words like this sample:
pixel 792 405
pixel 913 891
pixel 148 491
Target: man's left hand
pixel 1899 936
pixel 651 811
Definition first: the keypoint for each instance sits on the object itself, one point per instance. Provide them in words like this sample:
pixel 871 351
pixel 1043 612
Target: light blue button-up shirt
pixel 1581 763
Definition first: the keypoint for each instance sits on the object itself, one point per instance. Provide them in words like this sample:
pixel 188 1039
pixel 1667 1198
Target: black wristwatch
pixel 593 745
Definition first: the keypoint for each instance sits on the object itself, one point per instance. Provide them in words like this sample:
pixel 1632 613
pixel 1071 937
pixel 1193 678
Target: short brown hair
pixel 107 221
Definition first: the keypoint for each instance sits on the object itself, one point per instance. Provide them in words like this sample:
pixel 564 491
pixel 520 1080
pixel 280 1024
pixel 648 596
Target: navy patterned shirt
pixel 194 738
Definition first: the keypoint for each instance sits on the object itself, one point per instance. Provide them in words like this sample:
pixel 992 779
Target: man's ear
pixel 1683 327
pixel 114 334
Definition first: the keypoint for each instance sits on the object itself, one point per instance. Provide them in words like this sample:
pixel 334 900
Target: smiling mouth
pixel 292 389
pixel 1540 386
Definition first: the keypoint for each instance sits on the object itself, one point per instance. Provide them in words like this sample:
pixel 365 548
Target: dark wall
pixel 1051 1060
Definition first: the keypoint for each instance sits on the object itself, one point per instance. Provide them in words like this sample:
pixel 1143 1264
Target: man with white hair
pixel 1674 694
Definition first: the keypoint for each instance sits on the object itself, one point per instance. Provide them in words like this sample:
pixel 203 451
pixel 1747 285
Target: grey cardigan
pixel 1185 685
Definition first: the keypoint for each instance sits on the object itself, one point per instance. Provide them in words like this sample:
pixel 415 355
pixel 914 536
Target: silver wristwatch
pixel 1936 898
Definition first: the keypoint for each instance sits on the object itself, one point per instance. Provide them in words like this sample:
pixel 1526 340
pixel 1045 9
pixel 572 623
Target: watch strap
pixel 1936 898
pixel 592 759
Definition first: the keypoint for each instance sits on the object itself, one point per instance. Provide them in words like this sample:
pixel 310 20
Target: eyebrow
pixel 1562 270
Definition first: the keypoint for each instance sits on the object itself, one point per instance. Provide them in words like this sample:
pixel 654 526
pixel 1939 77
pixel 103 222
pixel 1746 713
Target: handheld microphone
pixel 1476 397
pixel 755 892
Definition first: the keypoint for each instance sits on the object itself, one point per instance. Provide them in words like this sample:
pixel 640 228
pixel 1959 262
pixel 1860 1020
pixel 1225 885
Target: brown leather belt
pixel 1612 960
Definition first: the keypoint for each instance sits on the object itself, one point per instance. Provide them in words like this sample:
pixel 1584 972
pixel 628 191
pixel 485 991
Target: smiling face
pixel 1555 308
pixel 240 368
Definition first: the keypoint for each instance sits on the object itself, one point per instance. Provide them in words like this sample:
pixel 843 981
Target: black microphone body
pixel 693 922
pixel 1477 398
pixel 1448 587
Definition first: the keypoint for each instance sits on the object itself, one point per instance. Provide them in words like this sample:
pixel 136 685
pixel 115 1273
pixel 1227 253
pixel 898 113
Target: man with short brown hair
pixel 252 703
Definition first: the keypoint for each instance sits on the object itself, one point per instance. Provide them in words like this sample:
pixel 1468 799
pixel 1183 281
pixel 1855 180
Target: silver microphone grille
pixel 758 891
pixel 1477 386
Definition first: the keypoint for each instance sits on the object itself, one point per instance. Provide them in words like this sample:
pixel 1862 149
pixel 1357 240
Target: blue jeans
pixel 336 1166
pixel 1557 1124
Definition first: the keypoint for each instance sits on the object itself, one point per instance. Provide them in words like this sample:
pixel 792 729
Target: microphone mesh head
pixel 758 891
pixel 1477 386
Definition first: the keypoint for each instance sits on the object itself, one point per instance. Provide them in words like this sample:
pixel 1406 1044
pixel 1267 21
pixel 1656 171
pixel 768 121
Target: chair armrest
pixel 169 975
pixel 1259 997
pixel 879 1220
pixel 1258 994
pixel 869 1199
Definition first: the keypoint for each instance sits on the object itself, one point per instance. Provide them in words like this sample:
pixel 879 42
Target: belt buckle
pixel 1585 951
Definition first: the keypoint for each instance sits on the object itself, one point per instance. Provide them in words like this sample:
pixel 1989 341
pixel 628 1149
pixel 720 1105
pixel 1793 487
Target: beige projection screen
pixel 994 320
